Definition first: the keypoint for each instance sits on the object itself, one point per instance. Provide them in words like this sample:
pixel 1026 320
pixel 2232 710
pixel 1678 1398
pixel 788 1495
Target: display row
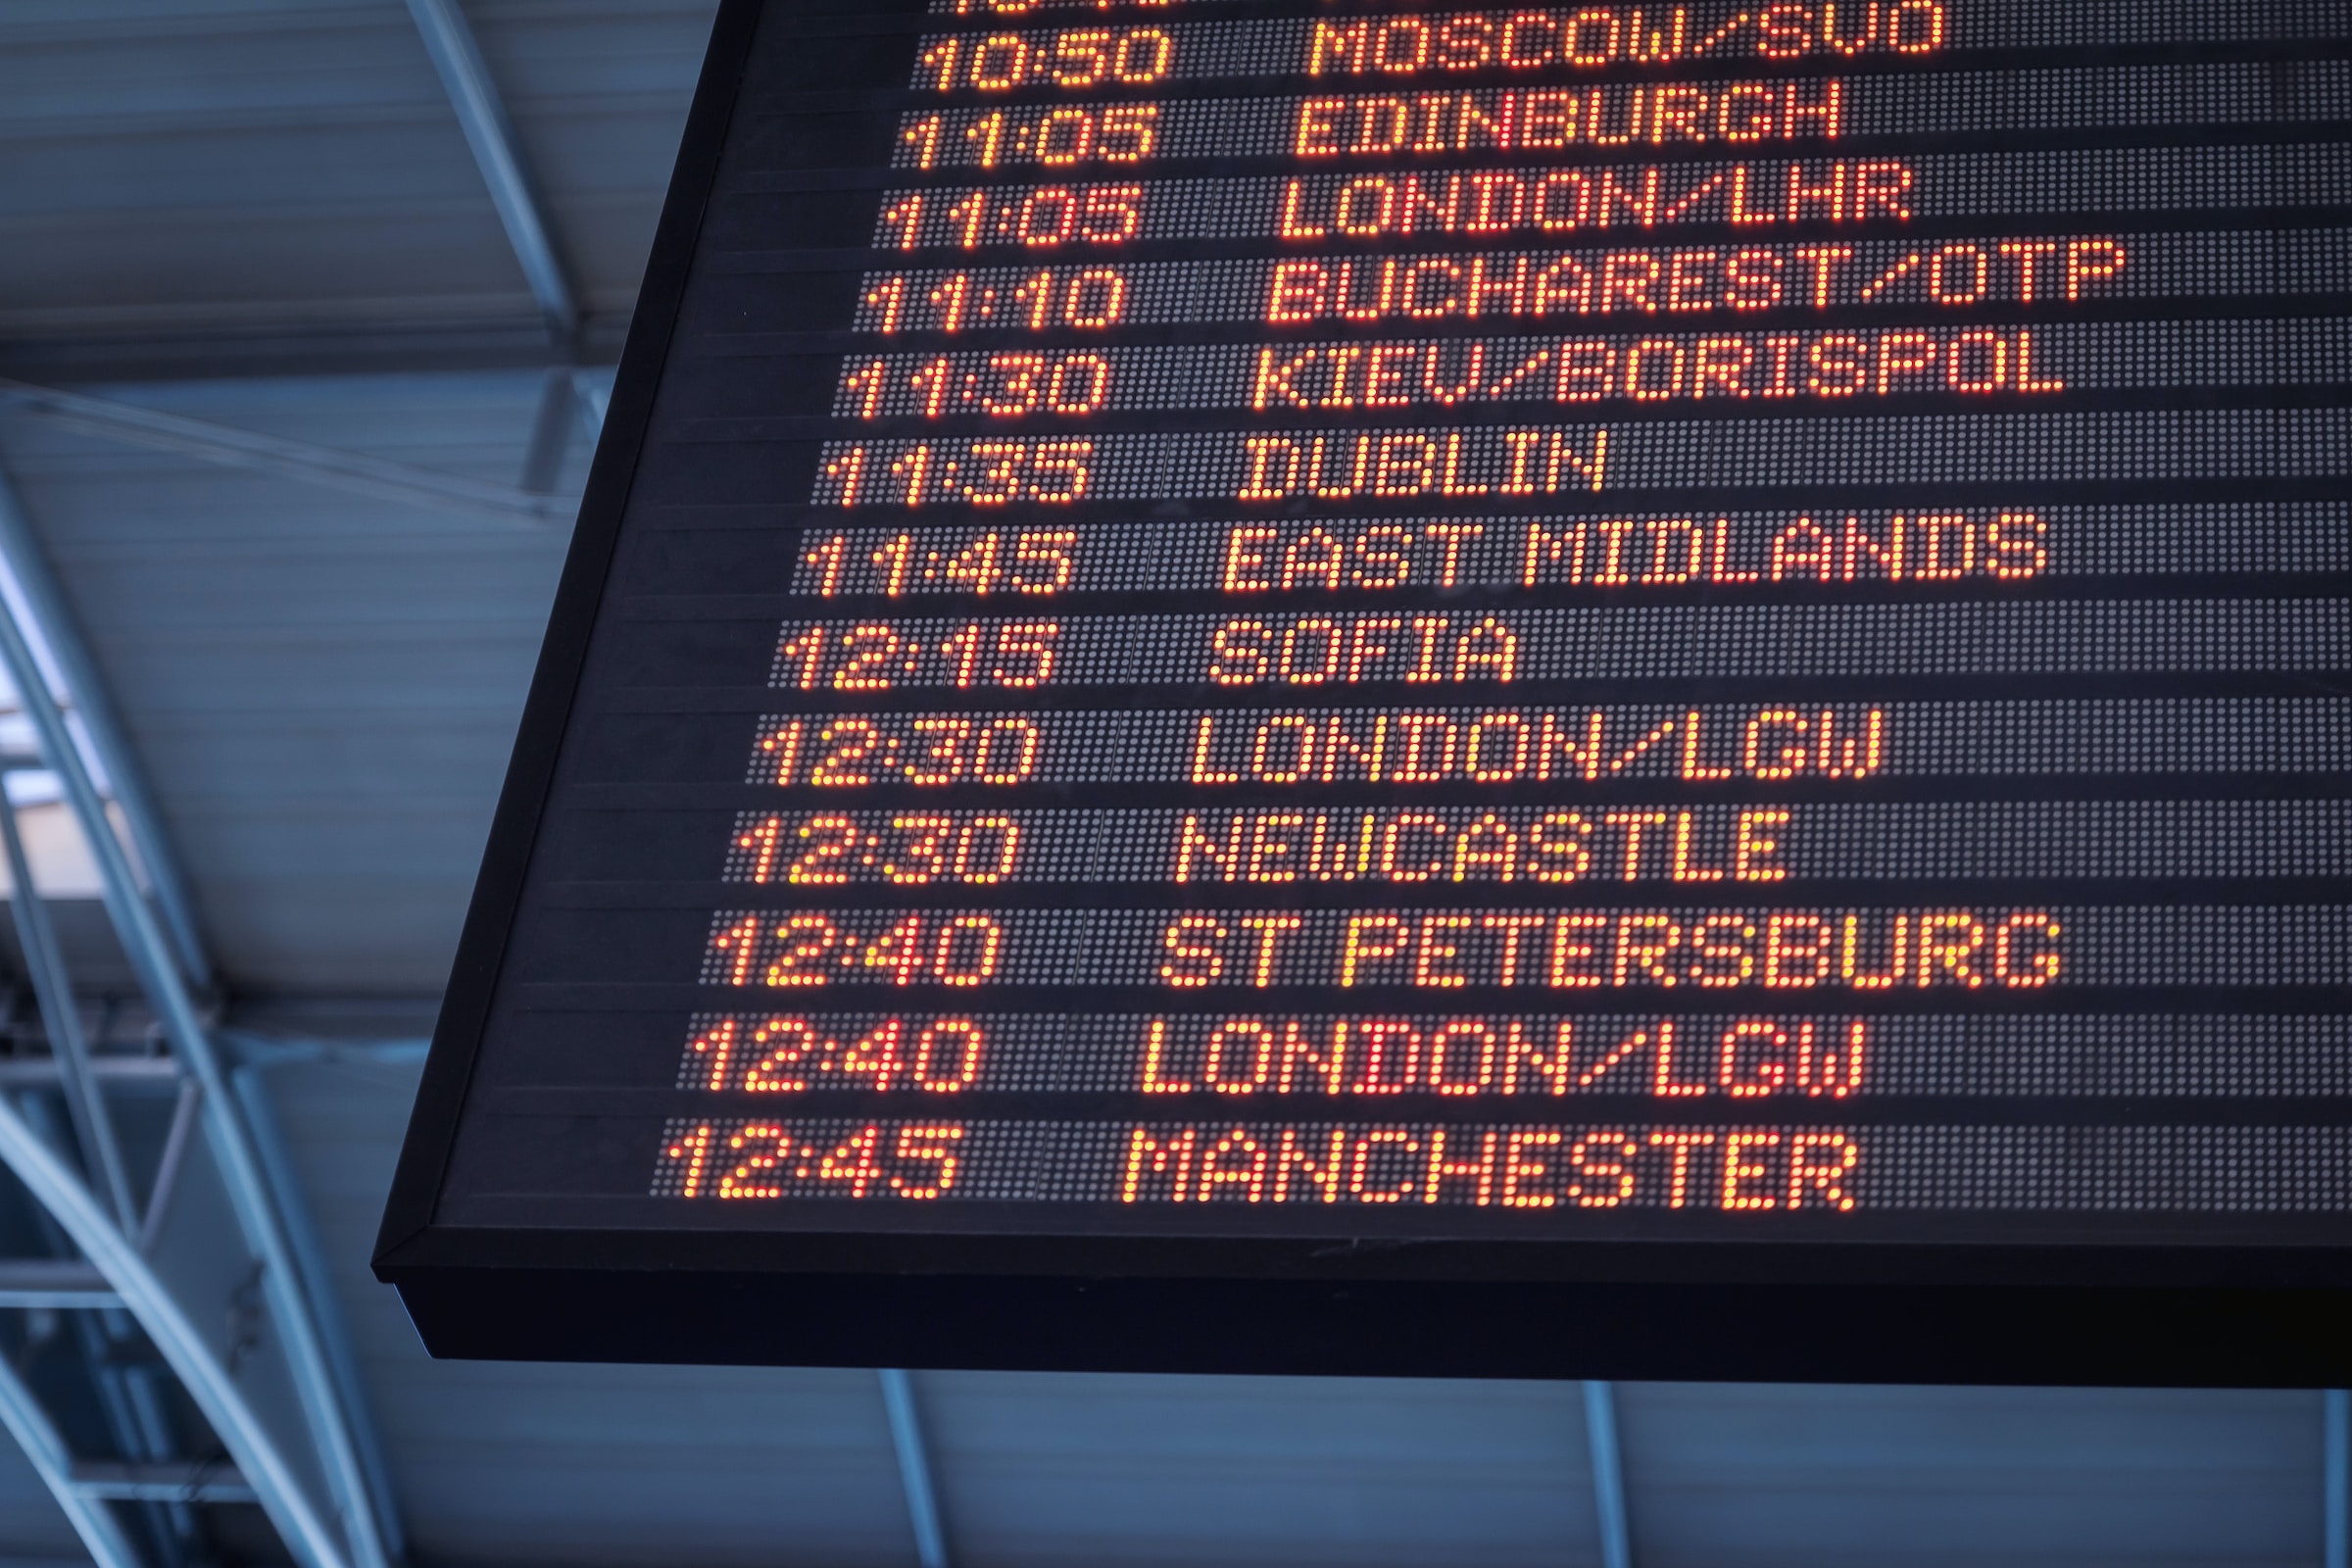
pixel 1495 944
pixel 1066 389
pixel 1310 657
pixel 1153 44
pixel 1506 463
pixel 1480 1064
pixel 1669 285
pixel 1293 748
pixel 1868 546
pixel 1533 1173
pixel 2090 186
pixel 810 857
pixel 1400 129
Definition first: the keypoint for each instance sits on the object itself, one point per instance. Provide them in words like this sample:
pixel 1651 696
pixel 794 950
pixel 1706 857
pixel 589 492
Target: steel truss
pixel 182 1315
pixel 108 1197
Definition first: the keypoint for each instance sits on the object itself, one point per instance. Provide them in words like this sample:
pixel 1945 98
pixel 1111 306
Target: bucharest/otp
pixel 1735 1169
pixel 1683 280
pixel 1501 1057
pixel 1550 284
pixel 1780 950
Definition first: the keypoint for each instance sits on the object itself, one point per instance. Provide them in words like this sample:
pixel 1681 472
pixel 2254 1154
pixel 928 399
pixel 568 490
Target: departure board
pixel 1395 686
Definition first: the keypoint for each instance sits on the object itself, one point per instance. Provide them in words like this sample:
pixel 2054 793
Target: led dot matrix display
pixel 1424 651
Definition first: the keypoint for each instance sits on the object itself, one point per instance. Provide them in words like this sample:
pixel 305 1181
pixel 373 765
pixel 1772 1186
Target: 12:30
pixel 913 850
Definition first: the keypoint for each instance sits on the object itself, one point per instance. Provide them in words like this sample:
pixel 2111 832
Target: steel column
pixel 483 115
pixel 2335 1474
pixel 231 1145
pixel 593 398
pixel 914 1467
pixel 551 434
pixel 342 1360
pixel 1608 1474
pixel 54 1281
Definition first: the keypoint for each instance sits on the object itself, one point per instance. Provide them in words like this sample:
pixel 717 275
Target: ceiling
pixel 262 215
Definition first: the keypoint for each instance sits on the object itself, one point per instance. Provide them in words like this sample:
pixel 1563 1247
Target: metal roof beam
pixel 350 471
pixel 140 1072
pixel 160 1481
pixel 398 343
pixel 483 115
pixel 54 1281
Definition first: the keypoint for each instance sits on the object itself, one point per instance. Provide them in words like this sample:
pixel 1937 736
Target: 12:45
pixel 769 1159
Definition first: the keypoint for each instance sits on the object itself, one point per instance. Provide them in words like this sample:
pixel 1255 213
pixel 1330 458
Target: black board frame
pixel 2251 1316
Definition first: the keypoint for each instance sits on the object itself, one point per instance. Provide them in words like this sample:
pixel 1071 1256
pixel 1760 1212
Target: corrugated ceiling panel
pixel 291 161
pixel 1166 1471
pixel 300 162
pixel 584 1465
pixel 321 687
pixel 1942 1478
